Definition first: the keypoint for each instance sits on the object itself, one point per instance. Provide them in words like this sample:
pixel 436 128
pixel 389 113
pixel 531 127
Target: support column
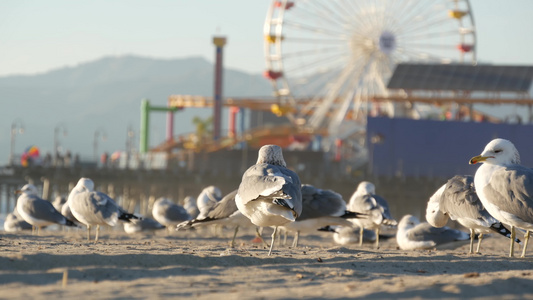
pixel 219 42
pixel 145 114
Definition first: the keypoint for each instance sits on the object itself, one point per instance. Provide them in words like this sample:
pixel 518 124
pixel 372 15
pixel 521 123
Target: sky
pixel 40 36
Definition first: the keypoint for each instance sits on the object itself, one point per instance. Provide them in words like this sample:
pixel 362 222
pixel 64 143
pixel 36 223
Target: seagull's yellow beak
pixel 17 192
pixel 477 159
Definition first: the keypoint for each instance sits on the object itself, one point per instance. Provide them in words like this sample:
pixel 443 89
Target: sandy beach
pixel 194 264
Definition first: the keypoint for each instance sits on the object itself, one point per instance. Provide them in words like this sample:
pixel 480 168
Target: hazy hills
pixel 105 95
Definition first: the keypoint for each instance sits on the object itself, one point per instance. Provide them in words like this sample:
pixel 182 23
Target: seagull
pixel 189 203
pixel 224 212
pixel 168 213
pixel 36 211
pixel 457 199
pixel 364 200
pixel 319 208
pixel 91 207
pixel 505 187
pixel 412 234
pixel 14 222
pixel 144 224
pixel 207 199
pixel 269 193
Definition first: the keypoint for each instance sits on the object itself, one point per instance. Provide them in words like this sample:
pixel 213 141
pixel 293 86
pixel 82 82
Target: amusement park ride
pixel 329 63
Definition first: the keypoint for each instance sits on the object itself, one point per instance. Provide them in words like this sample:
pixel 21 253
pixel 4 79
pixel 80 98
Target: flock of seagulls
pixel 271 195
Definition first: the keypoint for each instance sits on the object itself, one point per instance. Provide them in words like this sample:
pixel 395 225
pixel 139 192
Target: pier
pixel 137 188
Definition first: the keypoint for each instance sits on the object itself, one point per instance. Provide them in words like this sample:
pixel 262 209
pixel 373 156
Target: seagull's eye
pixel 497 151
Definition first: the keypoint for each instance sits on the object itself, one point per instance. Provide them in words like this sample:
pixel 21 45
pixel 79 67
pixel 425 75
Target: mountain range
pixel 77 105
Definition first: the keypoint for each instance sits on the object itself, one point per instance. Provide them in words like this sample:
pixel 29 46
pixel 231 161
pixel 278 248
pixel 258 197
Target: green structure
pixel 146 108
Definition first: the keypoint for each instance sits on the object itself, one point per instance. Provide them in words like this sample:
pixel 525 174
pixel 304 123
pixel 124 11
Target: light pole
pixel 97 134
pixel 129 140
pixel 57 130
pixel 16 127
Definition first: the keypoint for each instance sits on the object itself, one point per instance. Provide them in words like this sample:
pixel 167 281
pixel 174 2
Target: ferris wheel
pixel 326 58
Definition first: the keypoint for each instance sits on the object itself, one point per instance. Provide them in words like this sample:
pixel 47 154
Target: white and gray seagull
pixel 169 213
pixel 505 187
pixel 36 211
pixel 413 235
pixel 269 193
pixel 91 207
pixel 457 200
pixel 365 201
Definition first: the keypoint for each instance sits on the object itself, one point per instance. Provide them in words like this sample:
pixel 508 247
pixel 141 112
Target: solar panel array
pixel 459 77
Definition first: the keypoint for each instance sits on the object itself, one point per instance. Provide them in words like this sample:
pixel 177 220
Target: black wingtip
pixel 500 229
pixel 70 223
pixel 127 217
pixel 353 215
pixel 326 228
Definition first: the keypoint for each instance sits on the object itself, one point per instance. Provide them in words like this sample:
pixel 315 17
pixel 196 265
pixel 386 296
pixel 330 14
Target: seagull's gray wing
pixel 426 232
pixel 319 203
pixel 224 208
pixel 511 190
pixel 43 210
pixel 265 181
pixel 175 213
pixel 459 200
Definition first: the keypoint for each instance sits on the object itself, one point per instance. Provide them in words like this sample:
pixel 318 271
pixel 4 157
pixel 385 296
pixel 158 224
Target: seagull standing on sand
pixel 168 213
pixel 91 208
pixel 364 200
pixel 457 199
pixel 505 187
pixel 36 211
pixel 269 193
pixel 320 208
pixel 412 234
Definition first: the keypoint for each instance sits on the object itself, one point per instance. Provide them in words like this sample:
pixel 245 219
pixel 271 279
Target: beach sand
pixel 194 264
